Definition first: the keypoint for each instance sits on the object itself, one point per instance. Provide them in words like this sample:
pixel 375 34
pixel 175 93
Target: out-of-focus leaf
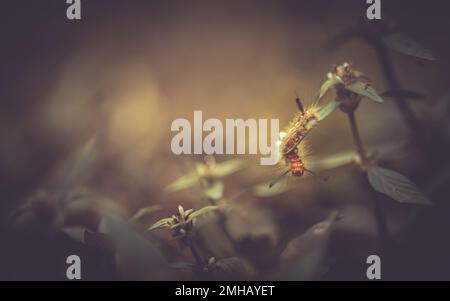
pixel 186 181
pixel 403 93
pixel 201 211
pixel 145 212
pixel 162 223
pixel 214 190
pixel 335 161
pixel 365 90
pixel 314 234
pixel 304 255
pixel 206 171
pixel 182 265
pixel 76 207
pixel 137 257
pixel 405 45
pixel 236 267
pixel 327 85
pixel 78 165
pixel 396 186
pixel 328 109
pixel 227 168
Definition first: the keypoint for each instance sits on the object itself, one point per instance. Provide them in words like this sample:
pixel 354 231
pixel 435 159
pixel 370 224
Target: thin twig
pixel 365 160
pixel 194 252
pixel 392 81
pixel 381 221
pixel 356 137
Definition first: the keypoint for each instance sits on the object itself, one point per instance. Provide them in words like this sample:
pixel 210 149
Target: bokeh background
pixel 129 68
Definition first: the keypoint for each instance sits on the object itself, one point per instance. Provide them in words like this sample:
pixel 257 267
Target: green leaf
pixel 403 93
pixel 335 161
pixel 201 211
pixel 227 168
pixel 215 170
pixel 327 85
pixel 214 190
pixel 405 45
pixel 186 181
pixel 396 186
pixel 365 90
pixel 145 212
pixel 328 109
pixel 162 223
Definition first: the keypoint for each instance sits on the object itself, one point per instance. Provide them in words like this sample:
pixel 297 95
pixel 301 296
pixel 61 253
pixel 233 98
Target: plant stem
pixel 365 161
pixel 381 221
pixel 356 137
pixel 391 78
pixel 194 252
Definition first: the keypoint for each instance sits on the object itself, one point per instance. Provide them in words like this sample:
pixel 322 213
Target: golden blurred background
pixel 129 68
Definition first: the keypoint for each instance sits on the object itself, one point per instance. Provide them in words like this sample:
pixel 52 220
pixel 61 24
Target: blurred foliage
pixel 304 256
pixel 105 196
pixel 405 45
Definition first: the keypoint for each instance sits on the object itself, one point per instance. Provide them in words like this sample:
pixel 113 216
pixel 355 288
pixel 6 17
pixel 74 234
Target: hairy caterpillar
pixel 289 145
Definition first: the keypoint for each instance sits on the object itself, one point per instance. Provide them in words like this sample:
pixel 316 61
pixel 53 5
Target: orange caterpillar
pixel 290 141
pixel 296 165
pixel 299 128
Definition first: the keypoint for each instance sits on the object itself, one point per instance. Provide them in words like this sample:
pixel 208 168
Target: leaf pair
pixel 188 216
pixel 344 77
pixel 211 170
